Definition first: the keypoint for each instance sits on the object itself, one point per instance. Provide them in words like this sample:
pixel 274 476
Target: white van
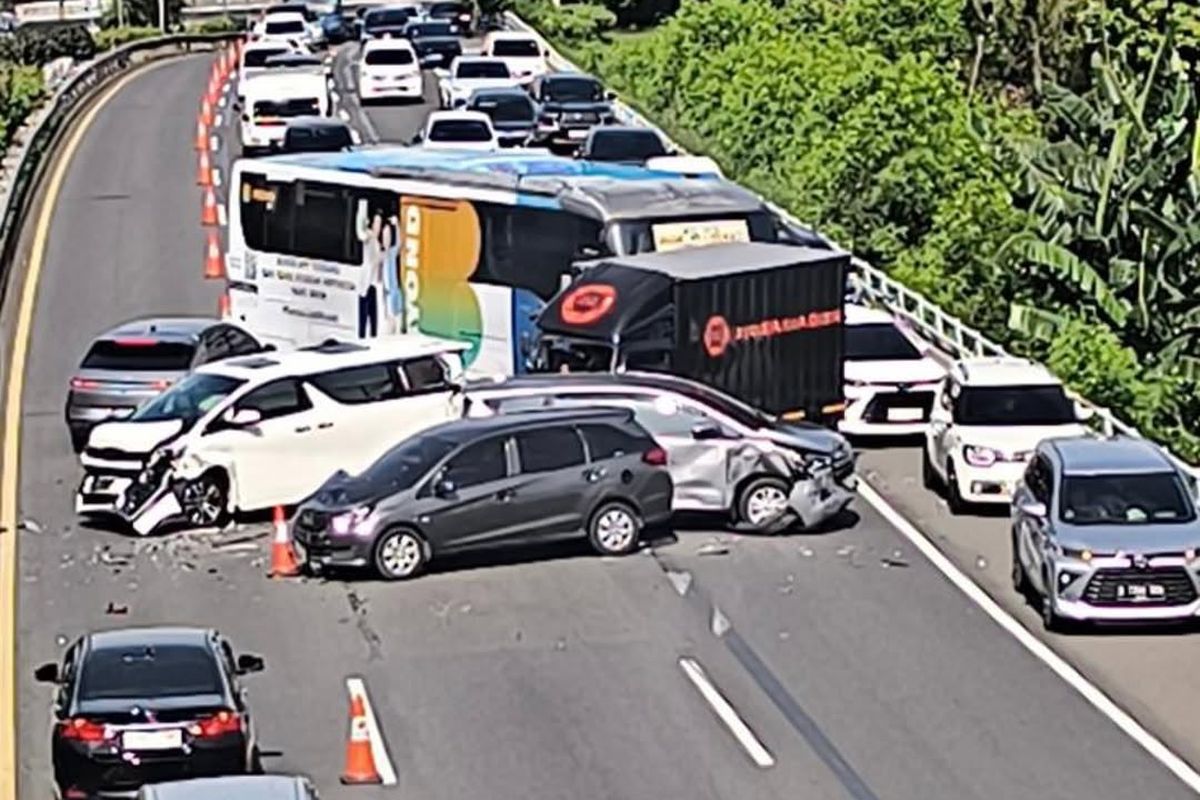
pixel 268 101
pixel 266 430
pixel 524 53
pixel 389 68
pixel 283 26
pixel 254 56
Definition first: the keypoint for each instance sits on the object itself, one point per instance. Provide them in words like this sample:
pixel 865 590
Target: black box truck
pixel 762 322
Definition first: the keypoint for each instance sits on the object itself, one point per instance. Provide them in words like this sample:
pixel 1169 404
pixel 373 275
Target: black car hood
pixel 555 107
pixel 344 490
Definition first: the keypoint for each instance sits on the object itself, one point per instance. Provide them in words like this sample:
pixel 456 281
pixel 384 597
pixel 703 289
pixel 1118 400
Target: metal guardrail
pixel 56 112
pixel 947 332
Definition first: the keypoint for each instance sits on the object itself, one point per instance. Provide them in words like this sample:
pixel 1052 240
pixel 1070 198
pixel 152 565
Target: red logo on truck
pixel 586 305
pixel 716 335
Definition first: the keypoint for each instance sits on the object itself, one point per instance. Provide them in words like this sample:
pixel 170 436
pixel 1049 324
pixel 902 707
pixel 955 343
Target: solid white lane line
pixel 1039 649
pixel 383 762
pixel 214 144
pixel 726 712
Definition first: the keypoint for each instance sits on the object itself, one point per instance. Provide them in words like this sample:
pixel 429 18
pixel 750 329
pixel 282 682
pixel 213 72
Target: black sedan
pixel 505 480
pixel 512 111
pixel 143 705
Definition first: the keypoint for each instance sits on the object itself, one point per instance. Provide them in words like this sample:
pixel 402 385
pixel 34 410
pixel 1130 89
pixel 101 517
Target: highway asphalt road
pixel 540 674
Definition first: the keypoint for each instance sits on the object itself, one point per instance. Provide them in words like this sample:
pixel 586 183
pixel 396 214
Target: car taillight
pixel 218 724
pixel 655 456
pixel 83 730
pixel 136 342
pixel 83 383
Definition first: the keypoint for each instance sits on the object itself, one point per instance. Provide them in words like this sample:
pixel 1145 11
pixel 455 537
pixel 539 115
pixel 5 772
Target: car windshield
pixel 285 26
pixel 573 90
pixel 881 341
pixel 150 671
pixel 287 108
pixel 460 131
pixel 516 48
pixel 1125 499
pixel 304 139
pixel 1014 405
pixel 139 355
pixel 304 11
pixel 625 146
pixel 432 29
pixel 258 58
pixel 188 400
pixel 447 9
pixel 507 108
pixel 731 407
pixel 389 57
pixel 482 69
pixel 394 16
pixel 408 462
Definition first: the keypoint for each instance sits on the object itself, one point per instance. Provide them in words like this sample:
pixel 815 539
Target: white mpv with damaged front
pixel 267 430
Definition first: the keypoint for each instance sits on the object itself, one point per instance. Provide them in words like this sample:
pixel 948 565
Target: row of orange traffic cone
pixel 214 262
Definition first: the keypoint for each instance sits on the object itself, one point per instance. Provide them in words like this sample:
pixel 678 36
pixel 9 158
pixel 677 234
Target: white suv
pixel 389 68
pixel 268 429
pixel 988 416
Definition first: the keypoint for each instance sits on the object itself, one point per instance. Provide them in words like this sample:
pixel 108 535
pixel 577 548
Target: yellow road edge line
pixel 10 465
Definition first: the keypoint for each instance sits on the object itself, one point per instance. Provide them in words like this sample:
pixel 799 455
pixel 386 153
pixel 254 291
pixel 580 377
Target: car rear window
pixel 160 671
pixel 483 69
pixel 609 441
pixel 626 146
pixel 397 16
pixel 505 108
pixel 302 139
pixel 286 26
pixel 517 48
pixel 549 449
pixel 460 131
pixel 389 56
pixel 258 58
pixel 371 383
pixel 287 108
pixel 139 355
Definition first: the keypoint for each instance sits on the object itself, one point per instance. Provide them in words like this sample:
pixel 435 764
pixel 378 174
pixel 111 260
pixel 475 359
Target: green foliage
pixel 21 88
pixel 640 13
pixel 37 45
pixel 109 38
pixel 144 13
pixel 573 23
pixel 214 25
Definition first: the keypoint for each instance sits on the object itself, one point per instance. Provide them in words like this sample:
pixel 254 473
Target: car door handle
pixel 303 429
pixel 504 495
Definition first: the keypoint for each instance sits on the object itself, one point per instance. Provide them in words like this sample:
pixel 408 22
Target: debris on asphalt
pixel 66 560
pixel 720 624
pixel 61 640
pixel 892 562
pixel 465 608
pixel 784 635
pixel 560 644
pixel 681 580
pixel 807 552
pixel 111 558
pixel 980 562
pixel 186 566
pixel 29 524
pixel 846 550
pixel 113 608
pixel 713 549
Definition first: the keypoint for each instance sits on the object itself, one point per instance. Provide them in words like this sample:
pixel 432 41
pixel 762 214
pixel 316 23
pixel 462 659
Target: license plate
pixel 1141 591
pixel 580 134
pixel 904 414
pixel 152 740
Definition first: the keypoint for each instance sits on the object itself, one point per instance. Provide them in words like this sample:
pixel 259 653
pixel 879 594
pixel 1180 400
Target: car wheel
pixel 78 441
pixel 205 500
pixel 954 498
pixel 929 478
pixel 614 529
pixel 763 502
pixel 1051 620
pixel 399 554
pixel 1020 581
pixel 256 765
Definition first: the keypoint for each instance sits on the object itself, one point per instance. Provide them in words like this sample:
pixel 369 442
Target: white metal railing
pixel 947 332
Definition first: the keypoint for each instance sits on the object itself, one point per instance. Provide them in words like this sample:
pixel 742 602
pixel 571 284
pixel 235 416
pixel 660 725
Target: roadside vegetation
pixel 1033 168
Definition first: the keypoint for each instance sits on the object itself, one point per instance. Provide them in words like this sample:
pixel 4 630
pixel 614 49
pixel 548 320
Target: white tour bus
pixel 458 244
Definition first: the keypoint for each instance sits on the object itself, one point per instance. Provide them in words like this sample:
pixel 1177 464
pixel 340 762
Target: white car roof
pixel 685 165
pixel 474 59
pixel 864 315
pixel 265 44
pixel 510 36
pixel 263 367
pixel 1002 371
pixel 461 116
pixel 388 44
pixel 283 85
pixel 285 16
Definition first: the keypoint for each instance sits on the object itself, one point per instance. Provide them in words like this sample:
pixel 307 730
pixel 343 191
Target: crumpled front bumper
pixel 820 496
pixel 143 504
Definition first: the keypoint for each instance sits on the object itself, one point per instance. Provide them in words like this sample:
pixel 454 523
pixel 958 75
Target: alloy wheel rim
pixel 203 500
pixel 401 554
pixel 764 504
pixel 615 529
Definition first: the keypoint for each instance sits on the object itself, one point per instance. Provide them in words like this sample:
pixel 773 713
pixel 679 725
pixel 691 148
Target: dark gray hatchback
pixel 137 360
pixel 518 478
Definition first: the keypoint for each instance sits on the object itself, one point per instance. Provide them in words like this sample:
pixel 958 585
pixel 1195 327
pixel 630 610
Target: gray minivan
pixel 232 787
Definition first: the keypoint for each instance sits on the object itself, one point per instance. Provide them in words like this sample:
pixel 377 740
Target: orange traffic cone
pixel 360 762
pixel 202 140
pixel 206 111
pixel 208 214
pixel 204 169
pixel 223 306
pixel 284 563
pixel 214 264
pixel 231 57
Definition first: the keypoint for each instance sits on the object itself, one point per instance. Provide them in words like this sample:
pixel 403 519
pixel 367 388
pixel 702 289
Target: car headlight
pixel 350 522
pixel 980 456
pixel 1072 553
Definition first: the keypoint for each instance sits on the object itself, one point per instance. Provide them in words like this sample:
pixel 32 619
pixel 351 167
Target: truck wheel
pixel 762 502
pixel 205 500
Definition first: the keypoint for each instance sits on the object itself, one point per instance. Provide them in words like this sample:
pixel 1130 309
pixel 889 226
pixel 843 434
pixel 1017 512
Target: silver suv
pixel 1106 530
pixel 723 455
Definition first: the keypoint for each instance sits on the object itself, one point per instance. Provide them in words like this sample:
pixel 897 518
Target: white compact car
pixel 389 68
pixel 468 73
pixel 265 430
pixel 890 377
pixel 459 130
pixel 523 53
pixel 284 26
pixel 988 416
pixel 270 100
pixel 254 56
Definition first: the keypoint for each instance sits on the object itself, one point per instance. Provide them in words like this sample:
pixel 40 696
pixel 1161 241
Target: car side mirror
pixel 445 489
pixel 247 663
pixel 46 673
pixel 705 431
pixel 610 95
pixel 241 417
pixel 1032 508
